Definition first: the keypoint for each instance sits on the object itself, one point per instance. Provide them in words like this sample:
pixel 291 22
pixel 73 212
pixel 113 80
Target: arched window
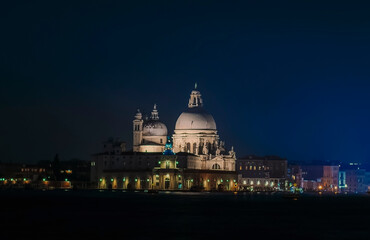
pixel 194 148
pixel 216 166
pixel 188 147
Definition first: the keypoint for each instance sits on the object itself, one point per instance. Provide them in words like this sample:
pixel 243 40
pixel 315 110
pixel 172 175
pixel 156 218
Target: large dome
pixel 195 118
pixel 154 128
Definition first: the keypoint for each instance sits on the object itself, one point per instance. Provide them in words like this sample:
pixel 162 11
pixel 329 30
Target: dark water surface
pixel 123 215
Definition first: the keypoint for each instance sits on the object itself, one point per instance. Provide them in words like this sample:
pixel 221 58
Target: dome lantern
pixel 195 117
pixel 152 126
pixel 154 115
pixel 195 99
pixel 138 115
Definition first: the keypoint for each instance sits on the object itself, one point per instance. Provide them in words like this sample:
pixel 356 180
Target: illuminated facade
pixel 262 173
pixel 158 171
pixel 45 175
pixel 199 159
pixel 196 133
pixel 149 135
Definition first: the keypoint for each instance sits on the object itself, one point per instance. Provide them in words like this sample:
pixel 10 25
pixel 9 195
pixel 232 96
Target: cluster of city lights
pixel 157 176
pixel 25 179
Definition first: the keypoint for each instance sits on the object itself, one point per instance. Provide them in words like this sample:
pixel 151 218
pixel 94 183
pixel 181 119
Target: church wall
pixel 186 140
pixel 154 139
pixel 116 172
pixel 151 148
pixel 125 180
pixel 179 180
pixel 210 180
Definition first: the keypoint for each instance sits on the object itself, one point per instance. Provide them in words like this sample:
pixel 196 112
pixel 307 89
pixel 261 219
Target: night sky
pixel 280 79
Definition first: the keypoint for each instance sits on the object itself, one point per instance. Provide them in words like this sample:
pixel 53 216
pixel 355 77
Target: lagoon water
pixel 171 215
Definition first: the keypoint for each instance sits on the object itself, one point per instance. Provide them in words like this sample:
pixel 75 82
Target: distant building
pixel 294 176
pixel 342 184
pixel 320 177
pixel 353 178
pixel 330 178
pixel 355 181
pixel 262 173
pixel 20 175
pixel 46 175
pixel 200 159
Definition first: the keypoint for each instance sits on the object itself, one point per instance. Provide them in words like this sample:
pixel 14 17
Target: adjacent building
pixel 320 177
pixel 353 178
pixel 294 176
pixel 46 175
pixel 262 173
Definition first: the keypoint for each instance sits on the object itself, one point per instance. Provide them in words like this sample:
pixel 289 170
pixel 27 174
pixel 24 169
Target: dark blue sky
pixel 289 79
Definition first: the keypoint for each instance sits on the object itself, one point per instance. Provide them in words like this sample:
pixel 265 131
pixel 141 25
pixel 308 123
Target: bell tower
pixel 137 131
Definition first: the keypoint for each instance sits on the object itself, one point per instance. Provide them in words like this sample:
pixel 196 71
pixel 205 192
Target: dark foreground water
pixel 122 215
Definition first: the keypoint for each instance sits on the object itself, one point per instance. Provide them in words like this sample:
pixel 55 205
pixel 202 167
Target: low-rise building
pixel 320 177
pixel 46 175
pixel 355 180
pixel 262 173
pixel 294 176
pixel 157 171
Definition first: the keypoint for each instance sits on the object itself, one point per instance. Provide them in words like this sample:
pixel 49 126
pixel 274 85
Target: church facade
pixel 194 158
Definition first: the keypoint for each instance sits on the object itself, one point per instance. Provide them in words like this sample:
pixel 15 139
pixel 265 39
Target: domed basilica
pixel 195 133
pixel 194 159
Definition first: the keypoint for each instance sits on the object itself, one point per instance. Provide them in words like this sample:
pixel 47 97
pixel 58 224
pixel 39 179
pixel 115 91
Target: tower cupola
pixel 195 99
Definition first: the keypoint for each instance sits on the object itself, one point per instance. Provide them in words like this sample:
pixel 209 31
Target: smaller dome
pixel 154 128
